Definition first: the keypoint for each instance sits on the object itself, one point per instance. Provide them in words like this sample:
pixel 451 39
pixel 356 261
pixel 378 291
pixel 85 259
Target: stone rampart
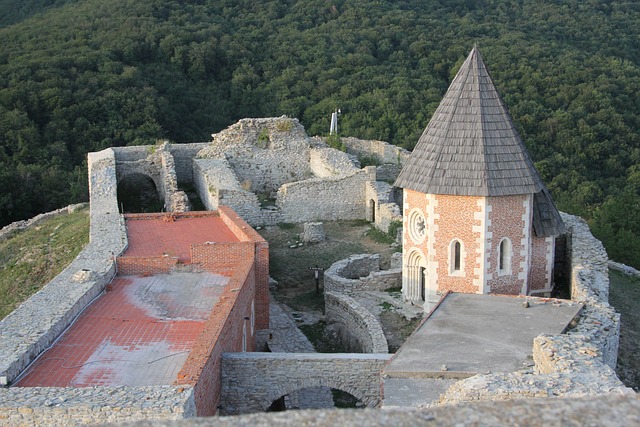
pixel 363 331
pixel 55 406
pixel 622 268
pixel 360 273
pixel 380 208
pixel 270 376
pixel 578 363
pixel 35 324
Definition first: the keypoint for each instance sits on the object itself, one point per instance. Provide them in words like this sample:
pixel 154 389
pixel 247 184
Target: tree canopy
pixel 82 75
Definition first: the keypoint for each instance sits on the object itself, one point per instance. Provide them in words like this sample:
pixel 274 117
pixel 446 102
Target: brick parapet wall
pixel 261 259
pixel 578 363
pixel 222 332
pixel 68 406
pixel 37 322
pixel 361 326
pixel 146 266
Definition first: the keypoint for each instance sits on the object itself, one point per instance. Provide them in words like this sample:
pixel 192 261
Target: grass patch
pixel 308 301
pixel 624 294
pixel 394 290
pixel 322 341
pixel 386 306
pixel 286 226
pixel 380 236
pixel 368 161
pixel 31 258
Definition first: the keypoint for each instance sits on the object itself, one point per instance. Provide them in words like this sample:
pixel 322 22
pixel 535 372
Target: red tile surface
pixel 157 237
pixel 138 333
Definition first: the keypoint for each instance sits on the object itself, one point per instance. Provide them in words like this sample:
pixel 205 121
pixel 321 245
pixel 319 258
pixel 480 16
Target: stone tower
pixel 476 216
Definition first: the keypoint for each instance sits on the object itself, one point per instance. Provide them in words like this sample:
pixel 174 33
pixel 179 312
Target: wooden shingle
pixel 471 146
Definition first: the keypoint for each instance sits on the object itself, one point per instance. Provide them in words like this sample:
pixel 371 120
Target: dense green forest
pixel 82 75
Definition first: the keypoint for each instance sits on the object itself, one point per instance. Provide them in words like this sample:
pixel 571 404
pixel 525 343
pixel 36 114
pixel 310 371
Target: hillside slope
pixel 83 75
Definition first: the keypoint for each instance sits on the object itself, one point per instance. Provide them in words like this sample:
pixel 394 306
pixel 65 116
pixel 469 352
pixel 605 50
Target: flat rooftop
pixel 157 236
pixel 138 333
pixel 473 334
pixel 141 331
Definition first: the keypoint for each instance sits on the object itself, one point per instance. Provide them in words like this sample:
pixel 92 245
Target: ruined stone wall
pixel 363 332
pixel 217 184
pixel 328 162
pixel 328 199
pixel 183 156
pixel 383 152
pixel 578 363
pixel 264 153
pixel 68 406
pixel 270 376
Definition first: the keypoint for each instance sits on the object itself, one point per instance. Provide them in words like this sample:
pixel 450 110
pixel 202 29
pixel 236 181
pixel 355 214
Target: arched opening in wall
pixel 137 193
pixel 414 280
pixel 372 210
pixel 315 398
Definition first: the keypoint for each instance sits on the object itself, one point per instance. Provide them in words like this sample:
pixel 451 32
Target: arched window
pixel 504 257
pixel 456 258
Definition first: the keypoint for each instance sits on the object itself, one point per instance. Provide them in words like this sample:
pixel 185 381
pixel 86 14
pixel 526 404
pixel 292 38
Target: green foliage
pixel 394 226
pixel 83 75
pixel 286 225
pixel 380 236
pixel 624 294
pixel 368 161
pixel 334 141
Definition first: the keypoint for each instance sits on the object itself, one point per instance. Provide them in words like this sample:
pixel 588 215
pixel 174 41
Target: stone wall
pixel 360 273
pixel 363 332
pixel 49 406
pixel 270 376
pixel 35 324
pixel 327 162
pixel 327 199
pixel 383 152
pixel 578 363
pixel 264 153
pixel 183 156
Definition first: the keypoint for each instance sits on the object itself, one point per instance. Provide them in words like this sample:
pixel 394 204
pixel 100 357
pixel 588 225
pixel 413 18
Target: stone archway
pixel 314 384
pixel 251 382
pixel 137 193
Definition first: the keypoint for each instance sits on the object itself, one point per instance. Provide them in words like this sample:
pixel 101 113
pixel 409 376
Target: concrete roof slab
pixel 471 334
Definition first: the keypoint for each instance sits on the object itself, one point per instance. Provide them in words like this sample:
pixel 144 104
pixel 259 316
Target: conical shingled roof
pixel 471 146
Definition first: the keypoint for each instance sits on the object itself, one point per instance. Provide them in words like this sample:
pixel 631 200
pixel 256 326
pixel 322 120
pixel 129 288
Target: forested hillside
pixel 82 75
